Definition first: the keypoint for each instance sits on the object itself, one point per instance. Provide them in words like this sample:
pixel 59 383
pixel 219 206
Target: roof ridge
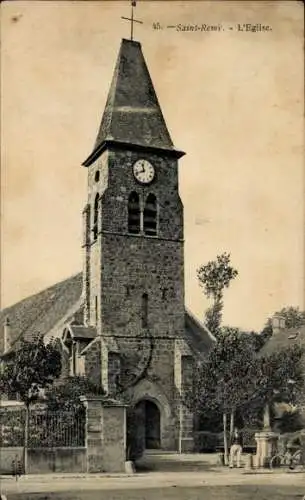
pixel 58 283
pixel 199 323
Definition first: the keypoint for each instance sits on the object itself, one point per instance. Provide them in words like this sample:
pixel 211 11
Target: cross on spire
pixel 132 19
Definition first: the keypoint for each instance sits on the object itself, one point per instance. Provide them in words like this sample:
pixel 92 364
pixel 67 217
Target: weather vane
pixel 132 19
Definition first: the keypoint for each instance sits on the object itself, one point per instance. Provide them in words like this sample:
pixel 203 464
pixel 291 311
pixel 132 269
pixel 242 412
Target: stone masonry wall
pixel 187 423
pixel 114 438
pixel 160 373
pixel 105 435
pixel 92 248
pixel 123 267
pixel 114 371
pixel 93 362
pixel 133 266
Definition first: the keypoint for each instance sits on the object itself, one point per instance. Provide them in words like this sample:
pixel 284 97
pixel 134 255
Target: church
pixel 122 321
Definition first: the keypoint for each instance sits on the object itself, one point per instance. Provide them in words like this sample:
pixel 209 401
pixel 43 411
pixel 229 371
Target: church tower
pixel 133 254
pixel 134 216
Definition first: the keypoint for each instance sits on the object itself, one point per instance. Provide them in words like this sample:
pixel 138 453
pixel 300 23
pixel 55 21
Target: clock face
pixel 144 171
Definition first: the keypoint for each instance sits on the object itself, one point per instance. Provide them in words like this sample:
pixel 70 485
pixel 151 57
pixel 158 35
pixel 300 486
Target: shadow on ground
pixel 177 463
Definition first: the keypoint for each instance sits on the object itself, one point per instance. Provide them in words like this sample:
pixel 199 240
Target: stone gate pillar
pixel 105 434
pixel 266 447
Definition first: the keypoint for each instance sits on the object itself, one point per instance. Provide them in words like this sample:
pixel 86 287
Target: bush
pixel 207 442
pixel 210 421
pixel 290 422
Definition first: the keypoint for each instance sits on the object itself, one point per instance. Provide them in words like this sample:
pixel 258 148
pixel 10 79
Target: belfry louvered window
pixel 150 215
pixel 134 214
pixel 95 217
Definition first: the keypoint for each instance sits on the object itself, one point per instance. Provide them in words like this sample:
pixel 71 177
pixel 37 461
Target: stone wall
pixel 114 369
pixel 114 439
pixel 153 360
pixel 7 455
pixel 92 248
pixel 44 460
pixel 93 361
pixel 154 364
pixel 184 374
pixel 105 435
pixel 133 266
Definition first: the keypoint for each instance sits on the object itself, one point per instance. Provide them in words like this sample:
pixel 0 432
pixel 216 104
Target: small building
pixel 283 337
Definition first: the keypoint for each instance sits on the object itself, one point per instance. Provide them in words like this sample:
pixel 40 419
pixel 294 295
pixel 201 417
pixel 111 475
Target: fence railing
pixel 12 428
pixel 46 429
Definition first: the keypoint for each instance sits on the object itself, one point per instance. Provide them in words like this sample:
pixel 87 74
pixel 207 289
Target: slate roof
pixel 132 113
pixel 39 313
pixel 197 335
pixel 83 332
pixel 284 338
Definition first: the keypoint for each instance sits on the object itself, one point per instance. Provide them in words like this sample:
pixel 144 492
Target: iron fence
pixel 46 429
pixel 12 428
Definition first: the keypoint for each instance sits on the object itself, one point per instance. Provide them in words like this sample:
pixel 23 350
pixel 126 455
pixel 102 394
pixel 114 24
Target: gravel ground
pixel 242 492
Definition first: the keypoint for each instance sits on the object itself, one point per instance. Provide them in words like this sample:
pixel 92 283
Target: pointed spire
pixel 132 115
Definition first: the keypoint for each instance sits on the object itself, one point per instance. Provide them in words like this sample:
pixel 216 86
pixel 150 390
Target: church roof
pixel 197 334
pixel 132 114
pixel 40 313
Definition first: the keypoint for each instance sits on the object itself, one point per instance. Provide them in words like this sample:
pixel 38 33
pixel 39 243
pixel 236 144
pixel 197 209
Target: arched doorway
pixel 150 424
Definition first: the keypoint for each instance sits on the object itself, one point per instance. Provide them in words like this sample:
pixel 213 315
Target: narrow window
pixel 96 309
pixel 134 214
pixel 187 371
pixel 150 215
pixel 144 310
pixel 95 217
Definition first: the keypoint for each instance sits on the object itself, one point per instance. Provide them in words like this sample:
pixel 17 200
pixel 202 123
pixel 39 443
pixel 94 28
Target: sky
pixel 233 101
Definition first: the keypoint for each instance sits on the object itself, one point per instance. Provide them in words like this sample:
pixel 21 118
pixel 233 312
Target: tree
pixel 235 376
pixel 33 367
pixel 279 378
pixel 66 395
pixel 294 318
pixel 63 399
pixel 214 277
pixel 225 378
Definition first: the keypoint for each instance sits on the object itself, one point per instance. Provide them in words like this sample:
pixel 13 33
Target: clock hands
pixel 143 171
